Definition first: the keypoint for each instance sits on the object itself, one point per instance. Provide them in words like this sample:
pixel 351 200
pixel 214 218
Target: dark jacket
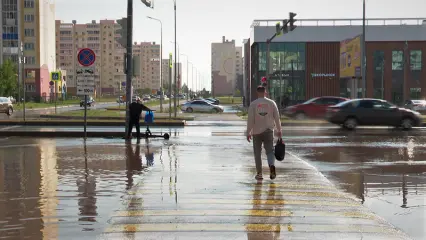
pixel 136 109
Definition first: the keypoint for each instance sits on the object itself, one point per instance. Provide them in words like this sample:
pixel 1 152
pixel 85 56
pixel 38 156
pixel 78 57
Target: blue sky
pixel 201 22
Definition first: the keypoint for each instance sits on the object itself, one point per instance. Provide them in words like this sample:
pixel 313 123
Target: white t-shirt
pixel 263 114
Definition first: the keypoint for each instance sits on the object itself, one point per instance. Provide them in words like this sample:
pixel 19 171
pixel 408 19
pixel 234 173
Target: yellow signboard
pixel 170 60
pixel 350 57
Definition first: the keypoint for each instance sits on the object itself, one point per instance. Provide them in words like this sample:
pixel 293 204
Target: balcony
pixel 10 50
pixel 11 22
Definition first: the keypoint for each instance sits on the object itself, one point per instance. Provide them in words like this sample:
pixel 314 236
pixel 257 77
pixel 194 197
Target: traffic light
pixel 148 3
pixel 285 27
pixel 292 15
pixel 278 28
pixel 122 40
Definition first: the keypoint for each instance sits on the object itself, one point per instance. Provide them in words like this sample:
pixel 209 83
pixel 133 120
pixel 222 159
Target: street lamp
pixel 187 73
pixel 177 50
pixel 161 61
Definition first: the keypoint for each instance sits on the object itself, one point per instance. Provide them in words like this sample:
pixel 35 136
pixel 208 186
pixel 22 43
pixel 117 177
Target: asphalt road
pixel 383 169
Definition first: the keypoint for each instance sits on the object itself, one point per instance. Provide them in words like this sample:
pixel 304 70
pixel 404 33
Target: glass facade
pixel 379 72
pixel 287 69
pixel 397 76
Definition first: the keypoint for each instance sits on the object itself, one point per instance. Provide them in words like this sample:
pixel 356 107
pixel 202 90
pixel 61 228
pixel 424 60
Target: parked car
pixel 201 106
pixel 6 106
pixel 313 108
pixel 90 102
pixel 416 105
pixel 370 112
pixel 120 99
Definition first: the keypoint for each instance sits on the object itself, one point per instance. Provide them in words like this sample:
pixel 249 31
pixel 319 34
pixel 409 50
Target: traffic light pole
pixel 268 43
pixel 129 60
pixel 176 87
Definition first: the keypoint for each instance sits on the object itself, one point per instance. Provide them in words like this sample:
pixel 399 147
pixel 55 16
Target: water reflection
pixel 274 231
pixel 86 187
pixel 65 189
pixel 387 174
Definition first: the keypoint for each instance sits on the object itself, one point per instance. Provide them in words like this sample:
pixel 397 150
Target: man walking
pixel 263 117
pixel 135 109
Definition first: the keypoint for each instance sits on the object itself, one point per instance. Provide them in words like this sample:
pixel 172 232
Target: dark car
pixel 313 108
pixel 90 102
pixel 372 112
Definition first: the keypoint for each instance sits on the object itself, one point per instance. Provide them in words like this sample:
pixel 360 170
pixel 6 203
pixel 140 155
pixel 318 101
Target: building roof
pixel 336 30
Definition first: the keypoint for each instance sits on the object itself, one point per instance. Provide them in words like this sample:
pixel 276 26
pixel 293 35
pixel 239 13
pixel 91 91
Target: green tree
pixel 237 93
pixel 146 91
pixel 8 79
pixel 184 88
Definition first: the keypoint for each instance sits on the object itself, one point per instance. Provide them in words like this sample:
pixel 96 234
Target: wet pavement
pixel 199 185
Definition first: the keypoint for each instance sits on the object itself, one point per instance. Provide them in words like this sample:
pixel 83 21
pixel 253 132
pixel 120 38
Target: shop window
pixel 416 60
pixel 397 60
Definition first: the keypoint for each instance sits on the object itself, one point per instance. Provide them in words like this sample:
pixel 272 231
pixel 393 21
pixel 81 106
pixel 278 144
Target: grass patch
pixel 35 105
pixel 230 100
pixel 119 114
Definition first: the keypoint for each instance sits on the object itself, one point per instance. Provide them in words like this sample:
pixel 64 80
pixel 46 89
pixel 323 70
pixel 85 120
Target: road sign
pixel 55 76
pixel 86 57
pixel 86 81
pixel 123 84
pixel 170 60
pixel 51 83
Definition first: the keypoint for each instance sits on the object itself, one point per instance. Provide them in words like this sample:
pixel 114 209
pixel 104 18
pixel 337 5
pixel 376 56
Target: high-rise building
pixel 28 24
pixel 226 67
pixel 101 38
pixel 149 69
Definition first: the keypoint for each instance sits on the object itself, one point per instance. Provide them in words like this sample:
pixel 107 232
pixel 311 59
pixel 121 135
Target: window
pixel 29 4
pixel 29 46
pixel 379 59
pixel 416 60
pixel 30 60
pixel 29 32
pixel 366 104
pixel 29 18
pixel 397 60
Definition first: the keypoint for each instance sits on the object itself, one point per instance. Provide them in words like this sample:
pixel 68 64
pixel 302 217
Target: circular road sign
pixel 123 84
pixel 51 83
pixel 86 57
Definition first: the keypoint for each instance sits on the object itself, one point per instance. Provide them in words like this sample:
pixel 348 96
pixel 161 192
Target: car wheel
pixel 300 116
pixel 190 110
pixel 407 123
pixel 350 123
pixel 9 111
pixel 214 110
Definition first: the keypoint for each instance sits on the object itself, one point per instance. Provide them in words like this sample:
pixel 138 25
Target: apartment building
pixel 101 38
pixel 149 68
pixel 227 67
pixel 25 25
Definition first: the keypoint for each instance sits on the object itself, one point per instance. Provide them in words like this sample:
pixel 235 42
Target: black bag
pixel 280 150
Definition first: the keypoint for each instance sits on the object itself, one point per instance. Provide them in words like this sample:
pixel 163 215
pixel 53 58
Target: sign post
pixel 86 78
pixel 55 77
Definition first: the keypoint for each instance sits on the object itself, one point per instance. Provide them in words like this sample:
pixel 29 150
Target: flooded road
pixel 66 189
pixel 387 174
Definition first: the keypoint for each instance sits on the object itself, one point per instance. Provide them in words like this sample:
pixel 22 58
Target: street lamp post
pixel 161 61
pixel 192 71
pixel 174 1
pixel 363 59
pixel 187 71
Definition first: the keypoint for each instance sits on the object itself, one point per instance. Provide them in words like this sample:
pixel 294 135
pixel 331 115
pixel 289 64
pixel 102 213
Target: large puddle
pixel 387 174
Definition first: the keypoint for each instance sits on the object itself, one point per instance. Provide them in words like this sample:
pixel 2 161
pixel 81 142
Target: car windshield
pixel 345 102
pixel 310 101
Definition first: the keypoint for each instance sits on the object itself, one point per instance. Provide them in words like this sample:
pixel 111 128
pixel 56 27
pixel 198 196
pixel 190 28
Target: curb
pixel 60 106
pixel 106 118
pixel 89 123
pixel 69 134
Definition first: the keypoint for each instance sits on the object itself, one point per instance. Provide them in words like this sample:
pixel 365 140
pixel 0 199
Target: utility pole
pixel 129 66
pixel 383 75
pixel 292 81
pixel 175 61
pixel 406 68
pixel 363 47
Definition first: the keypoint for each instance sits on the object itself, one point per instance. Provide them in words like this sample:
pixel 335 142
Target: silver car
pixel 6 106
pixel 201 106
pixel 416 105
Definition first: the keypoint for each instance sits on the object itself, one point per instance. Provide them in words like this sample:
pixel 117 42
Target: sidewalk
pixel 199 192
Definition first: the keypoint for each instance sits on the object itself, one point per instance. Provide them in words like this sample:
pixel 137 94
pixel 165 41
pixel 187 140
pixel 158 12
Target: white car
pixel 201 106
pixel 416 105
